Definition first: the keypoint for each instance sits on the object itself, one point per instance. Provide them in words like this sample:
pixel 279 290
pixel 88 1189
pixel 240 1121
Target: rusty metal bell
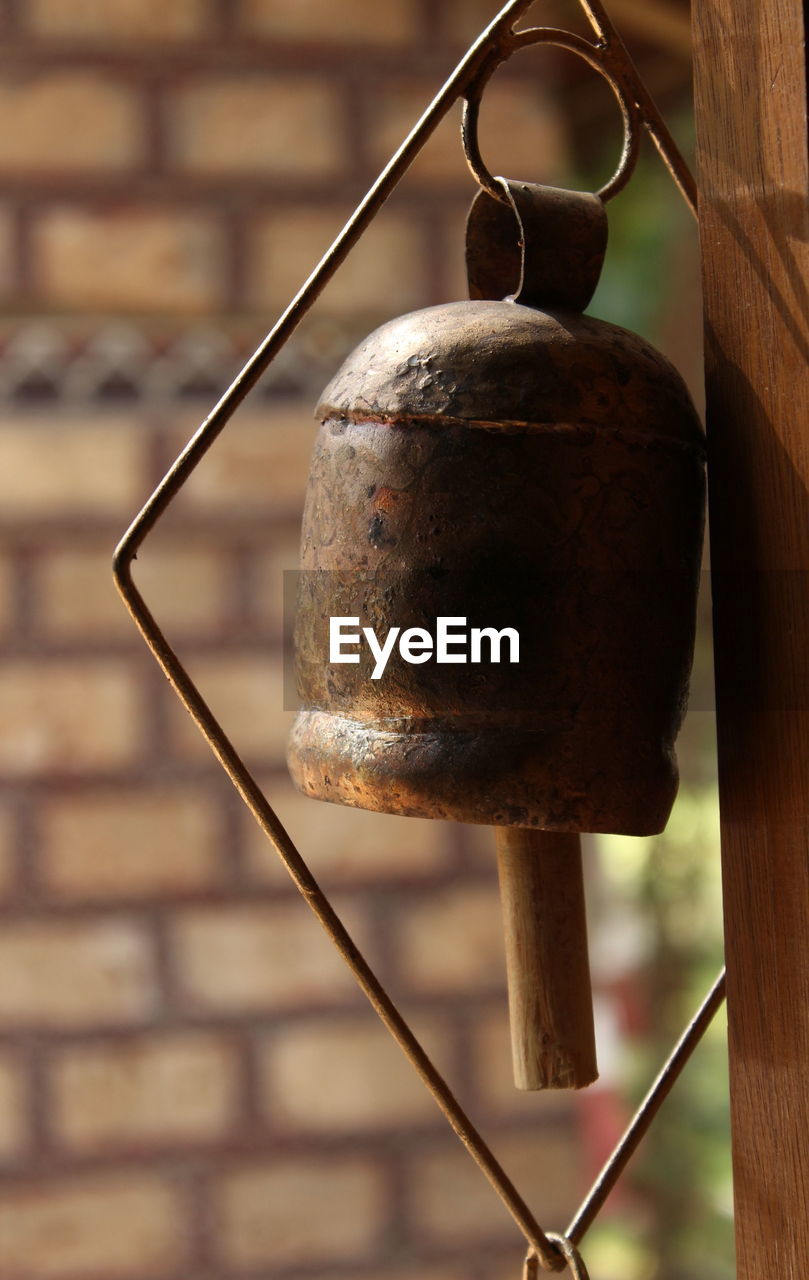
pixel 516 466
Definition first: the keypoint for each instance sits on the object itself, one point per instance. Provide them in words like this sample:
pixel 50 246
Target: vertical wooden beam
pixel 754 177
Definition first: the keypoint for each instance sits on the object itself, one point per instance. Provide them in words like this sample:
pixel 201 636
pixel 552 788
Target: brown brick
pixel 71 467
pixel 490 1063
pixel 68 718
pixel 254 958
pixel 384 274
pixel 344 845
pixel 245 693
pixel 72 974
pixel 456 276
pixel 152 841
pixel 272 591
pixel 396 108
pixel 128 260
pixel 452 1200
pixel 259 466
pixel 288 126
pixel 521 133
pixel 123 1225
pixel 345 1076
pixel 101 22
pixel 505 1261
pixel 297 1211
pixel 395 22
pixel 447 1271
pixel 67 121
pixel 146 1091
pixel 454 940
pixel 464 20
pixel 479 845
pixel 13 1103
pixel 8 853
pixel 7 601
pixel 75 597
pixel 7 254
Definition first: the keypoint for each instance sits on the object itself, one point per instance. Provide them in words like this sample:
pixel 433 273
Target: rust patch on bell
pixel 387 499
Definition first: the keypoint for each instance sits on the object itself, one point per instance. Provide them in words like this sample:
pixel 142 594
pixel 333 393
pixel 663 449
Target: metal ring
pixel 570 1254
pixel 592 55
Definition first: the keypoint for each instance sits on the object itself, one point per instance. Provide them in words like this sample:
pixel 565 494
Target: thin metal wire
pixel 490 45
pixel 626 73
pixel 648 1109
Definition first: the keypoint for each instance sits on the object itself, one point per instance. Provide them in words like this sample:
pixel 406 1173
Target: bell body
pixel 516 468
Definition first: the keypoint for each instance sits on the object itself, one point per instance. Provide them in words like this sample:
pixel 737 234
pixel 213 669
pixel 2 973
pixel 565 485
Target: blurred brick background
pixel 189 1083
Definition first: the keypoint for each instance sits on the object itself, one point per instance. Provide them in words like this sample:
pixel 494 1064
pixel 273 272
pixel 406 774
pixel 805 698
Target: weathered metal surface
pixel 499 365
pixel 543 246
pixel 517 468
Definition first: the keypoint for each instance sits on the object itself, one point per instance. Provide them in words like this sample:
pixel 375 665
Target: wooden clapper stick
pixel 549 993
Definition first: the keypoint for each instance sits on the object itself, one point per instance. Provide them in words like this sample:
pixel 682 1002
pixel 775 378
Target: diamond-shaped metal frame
pixel 608 54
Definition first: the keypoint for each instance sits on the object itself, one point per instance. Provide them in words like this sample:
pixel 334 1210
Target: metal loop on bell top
pixel 591 54
pixel 567 1251
pixel 543 247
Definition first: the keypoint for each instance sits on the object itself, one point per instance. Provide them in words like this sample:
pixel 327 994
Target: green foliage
pixel 645 221
pixel 682 1174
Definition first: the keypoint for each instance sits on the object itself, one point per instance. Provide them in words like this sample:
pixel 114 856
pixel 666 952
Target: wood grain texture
pixel 754 178
pixel 549 995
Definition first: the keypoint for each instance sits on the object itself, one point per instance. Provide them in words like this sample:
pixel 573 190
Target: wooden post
pixel 754 224
pixel 549 995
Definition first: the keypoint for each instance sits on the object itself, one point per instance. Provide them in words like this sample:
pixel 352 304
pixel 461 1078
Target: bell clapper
pixel 549 994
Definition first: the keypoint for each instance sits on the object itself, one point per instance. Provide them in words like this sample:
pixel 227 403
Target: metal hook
pixel 566 1249
pixel 592 54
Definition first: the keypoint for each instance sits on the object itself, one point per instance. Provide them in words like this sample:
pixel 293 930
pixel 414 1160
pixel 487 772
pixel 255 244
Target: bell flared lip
pixel 556 781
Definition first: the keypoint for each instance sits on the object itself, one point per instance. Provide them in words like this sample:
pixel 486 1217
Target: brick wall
pixel 192 159
pixel 189 1083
